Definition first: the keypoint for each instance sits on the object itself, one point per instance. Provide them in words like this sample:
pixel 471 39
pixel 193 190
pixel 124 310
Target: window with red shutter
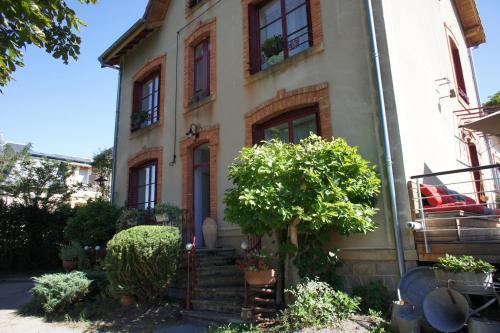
pixel 278 29
pixel 146 101
pixel 290 127
pixel 459 74
pixel 201 70
pixel 142 186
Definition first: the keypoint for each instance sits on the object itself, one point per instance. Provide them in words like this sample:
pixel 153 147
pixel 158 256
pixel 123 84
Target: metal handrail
pixel 189 237
pixel 449 172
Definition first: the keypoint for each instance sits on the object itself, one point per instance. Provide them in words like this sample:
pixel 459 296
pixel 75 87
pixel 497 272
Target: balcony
pixel 456 212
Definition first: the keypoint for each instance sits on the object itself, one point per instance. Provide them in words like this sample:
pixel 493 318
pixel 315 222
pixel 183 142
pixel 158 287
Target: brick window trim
pixel 142 158
pixel 188 11
pixel 151 66
pixel 202 31
pixel 211 137
pixel 315 24
pixel 285 101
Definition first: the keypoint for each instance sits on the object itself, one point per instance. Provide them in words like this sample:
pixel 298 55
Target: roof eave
pixel 471 22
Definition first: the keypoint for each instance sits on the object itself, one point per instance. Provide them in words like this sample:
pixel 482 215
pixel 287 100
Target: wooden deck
pixel 459 233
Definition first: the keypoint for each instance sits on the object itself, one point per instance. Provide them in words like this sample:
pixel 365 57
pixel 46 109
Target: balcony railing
pixel 456 212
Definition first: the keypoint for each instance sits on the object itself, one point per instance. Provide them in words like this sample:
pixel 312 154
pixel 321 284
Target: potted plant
pixel 165 212
pixel 273 49
pixel 257 268
pixel 70 255
pixel 138 118
pixel 129 218
pixel 465 274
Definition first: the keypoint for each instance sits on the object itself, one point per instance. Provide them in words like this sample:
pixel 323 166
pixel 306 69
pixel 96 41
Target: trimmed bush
pixel 93 224
pixel 316 304
pixel 141 261
pixel 57 292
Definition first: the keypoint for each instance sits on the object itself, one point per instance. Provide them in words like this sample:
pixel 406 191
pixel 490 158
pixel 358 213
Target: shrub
pixel 93 224
pixel 234 328
pixel 142 260
pixel 454 264
pixel 316 304
pixel 31 236
pixel 57 292
pixel 374 296
pixel 75 251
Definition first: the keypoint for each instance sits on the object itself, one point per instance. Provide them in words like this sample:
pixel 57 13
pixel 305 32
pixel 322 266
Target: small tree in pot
pixel 257 266
pixel 72 256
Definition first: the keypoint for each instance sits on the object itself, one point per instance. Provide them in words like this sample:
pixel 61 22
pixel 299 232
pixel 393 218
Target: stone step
pixel 215 281
pixel 206 270
pixel 224 305
pixel 220 251
pixel 236 292
pixel 210 317
pixel 214 261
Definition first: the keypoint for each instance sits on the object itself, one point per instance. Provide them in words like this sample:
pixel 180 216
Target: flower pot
pixel 246 313
pixel 209 233
pixel 259 278
pixel 161 217
pixel 465 282
pixel 127 300
pixel 70 265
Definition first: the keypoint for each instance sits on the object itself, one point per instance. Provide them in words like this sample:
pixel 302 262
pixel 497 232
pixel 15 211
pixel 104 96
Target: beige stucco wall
pixel 415 48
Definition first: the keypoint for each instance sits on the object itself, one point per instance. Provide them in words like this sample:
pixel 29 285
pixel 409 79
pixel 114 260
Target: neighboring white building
pixel 83 171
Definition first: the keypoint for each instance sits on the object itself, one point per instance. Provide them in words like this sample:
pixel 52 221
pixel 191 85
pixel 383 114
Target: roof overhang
pixel 471 22
pixel 152 20
pixel 488 125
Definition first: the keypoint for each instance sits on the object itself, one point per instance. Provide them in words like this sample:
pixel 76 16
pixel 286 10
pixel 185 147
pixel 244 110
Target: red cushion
pixel 469 200
pixel 445 195
pixel 459 205
pixel 477 208
pixel 431 194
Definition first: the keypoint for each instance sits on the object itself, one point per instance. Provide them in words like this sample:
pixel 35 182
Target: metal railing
pixel 468 198
pixel 189 240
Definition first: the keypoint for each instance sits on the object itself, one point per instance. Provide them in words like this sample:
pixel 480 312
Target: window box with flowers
pixel 257 266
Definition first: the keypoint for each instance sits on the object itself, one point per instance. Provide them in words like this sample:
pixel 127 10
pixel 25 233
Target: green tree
pixel 304 191
pixel 48 24
pixel 102 166
pixel 35 182
pixel 493 100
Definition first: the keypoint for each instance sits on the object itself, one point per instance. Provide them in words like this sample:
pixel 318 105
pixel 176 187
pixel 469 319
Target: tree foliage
pixel 325 185
pixel 48 24
pixel 35 182
pixel 493 100
pixel 102 166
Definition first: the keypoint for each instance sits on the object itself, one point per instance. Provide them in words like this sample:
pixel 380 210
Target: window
pixel 142 186
pixel 278 29
pixel 459 74
pixel 201 70
pixel 192 3
pixel 146 101
pixel 83 175
pixel 290 127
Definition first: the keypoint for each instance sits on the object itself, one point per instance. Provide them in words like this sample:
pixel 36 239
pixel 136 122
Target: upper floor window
pixel 142 186
pixel 290 127
pixel 459 74
pixel 201 70
pixel 192 3
pixel 146 101
pixel 278 29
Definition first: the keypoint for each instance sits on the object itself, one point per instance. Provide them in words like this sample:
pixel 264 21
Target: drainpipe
pixel 385 137
pixel 117 120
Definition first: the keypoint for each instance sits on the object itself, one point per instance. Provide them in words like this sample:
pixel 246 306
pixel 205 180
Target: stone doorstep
pixel 227 291
pixel 210 317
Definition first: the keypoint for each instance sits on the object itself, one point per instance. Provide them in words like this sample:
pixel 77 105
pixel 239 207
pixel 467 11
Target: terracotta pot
pixel 210 233
pixel 259 278
pixel 127 300
pixel 70 265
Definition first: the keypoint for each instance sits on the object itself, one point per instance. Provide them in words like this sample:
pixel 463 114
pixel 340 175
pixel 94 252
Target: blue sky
pixel 70 109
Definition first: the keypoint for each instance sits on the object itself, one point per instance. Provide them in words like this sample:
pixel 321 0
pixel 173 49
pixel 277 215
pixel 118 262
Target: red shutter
pixel 136 107
pixel 133 182
pixel 459 74
pixel 254 38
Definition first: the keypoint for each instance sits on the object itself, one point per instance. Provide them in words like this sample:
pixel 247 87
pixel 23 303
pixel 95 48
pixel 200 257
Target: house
pixel 200 79
pixel 82 172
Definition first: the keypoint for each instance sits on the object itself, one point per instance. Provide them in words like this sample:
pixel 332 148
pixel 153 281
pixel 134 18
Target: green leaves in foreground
pixel 326 184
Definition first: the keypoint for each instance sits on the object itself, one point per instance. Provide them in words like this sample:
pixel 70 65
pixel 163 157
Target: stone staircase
pixel 219 291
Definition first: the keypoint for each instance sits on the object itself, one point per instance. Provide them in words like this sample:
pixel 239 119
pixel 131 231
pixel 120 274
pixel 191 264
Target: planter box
pixel 465 282
pixel 260 278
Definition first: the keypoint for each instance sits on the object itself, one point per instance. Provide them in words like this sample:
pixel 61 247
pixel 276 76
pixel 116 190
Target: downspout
pixel 117 120
pixel 385 137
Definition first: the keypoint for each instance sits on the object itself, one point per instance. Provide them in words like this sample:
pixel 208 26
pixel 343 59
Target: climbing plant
pixel 317 186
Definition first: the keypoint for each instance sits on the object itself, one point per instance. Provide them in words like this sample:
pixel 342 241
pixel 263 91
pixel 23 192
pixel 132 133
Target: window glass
pixel 146 187
pixel 292 4
pixel 201 68
pixel 277 132
pixel 298 31
pixel 270 12
pixel 302 127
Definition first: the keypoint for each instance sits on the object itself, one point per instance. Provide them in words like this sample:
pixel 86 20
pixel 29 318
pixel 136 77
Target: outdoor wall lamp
pixel 244 245
pixel 189 247
pixel 193 131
